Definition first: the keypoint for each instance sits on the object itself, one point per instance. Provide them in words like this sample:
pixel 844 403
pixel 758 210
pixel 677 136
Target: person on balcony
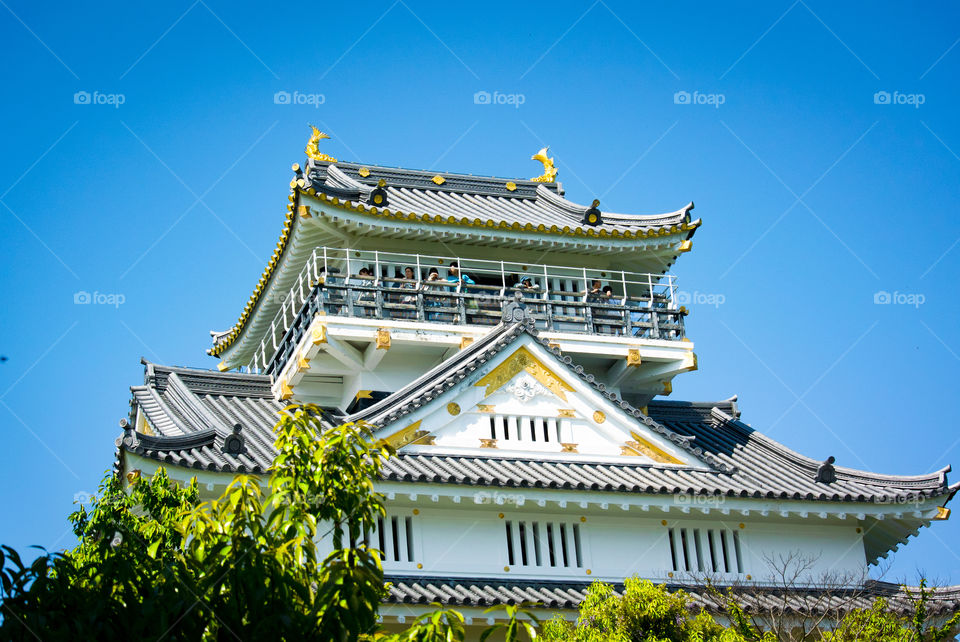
pixel 366 299
pixel 409 283
pixel 595 293
pixel 456 276
pixel 607 298
pixel 433 283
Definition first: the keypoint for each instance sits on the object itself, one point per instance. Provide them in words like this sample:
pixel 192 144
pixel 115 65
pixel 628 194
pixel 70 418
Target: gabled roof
pixel 486 592
pixel 463 199
pixel 743 463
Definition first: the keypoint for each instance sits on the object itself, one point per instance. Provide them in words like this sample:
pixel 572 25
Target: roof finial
pixel 826 473
pixel 549 171
pixel 313 152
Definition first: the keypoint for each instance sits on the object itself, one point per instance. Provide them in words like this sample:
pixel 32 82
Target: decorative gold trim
pixel 645 410
pixel 453 408
pixel 566 412
pixel 403 437
pixel 311 149
pixel 568 448
pixel 364 172
pixel 599 416
pixel 482 407
pixel 686 246
pixel 633 357
pixel 383 339
pixel 222 366
pixel 553 344
pixel 465 341
pixel 667 388
pixel 522 360
pixel 549 171
pixel 943 513
pixel 641 447
pixel 286 392
pixel 511 186
pixel 304 211
pixel 303 364
pixel 488 443
pixel 439 180
pixel 319 335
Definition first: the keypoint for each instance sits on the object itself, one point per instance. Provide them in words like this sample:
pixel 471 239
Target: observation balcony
pixel 394 288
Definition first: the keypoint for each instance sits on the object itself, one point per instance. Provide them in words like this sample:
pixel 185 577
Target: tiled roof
pixel 483 593
pixel 742 462
pixel 475 200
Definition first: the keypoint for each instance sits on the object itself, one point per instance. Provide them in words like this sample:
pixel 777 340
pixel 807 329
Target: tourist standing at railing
pixel 433 282
pixel 409 283
pixel 456 276
pixel 595 293
pixel 606 297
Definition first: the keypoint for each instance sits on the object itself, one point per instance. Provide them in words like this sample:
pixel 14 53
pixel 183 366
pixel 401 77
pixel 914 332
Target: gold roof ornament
pixel 311 149
pixel 549 171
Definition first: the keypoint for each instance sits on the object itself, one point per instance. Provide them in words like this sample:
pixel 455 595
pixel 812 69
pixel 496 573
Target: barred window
pixel 709 550
pixel 544 544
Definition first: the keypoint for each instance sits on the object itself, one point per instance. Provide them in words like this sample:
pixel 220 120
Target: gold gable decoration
pixel 519 361
pixel 640 446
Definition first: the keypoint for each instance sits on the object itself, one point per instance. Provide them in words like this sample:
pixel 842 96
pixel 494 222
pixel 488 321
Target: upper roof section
pixel 464 199
pixel 371 207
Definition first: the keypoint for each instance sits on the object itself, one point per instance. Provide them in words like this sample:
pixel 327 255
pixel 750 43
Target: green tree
pixel 152 561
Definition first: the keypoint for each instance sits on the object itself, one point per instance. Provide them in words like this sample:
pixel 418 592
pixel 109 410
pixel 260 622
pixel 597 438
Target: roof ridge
pixel 812 465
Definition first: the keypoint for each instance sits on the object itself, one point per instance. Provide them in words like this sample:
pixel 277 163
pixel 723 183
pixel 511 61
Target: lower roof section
pixel 558 595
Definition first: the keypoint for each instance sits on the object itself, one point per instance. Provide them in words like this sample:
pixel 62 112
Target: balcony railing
pixel 421 288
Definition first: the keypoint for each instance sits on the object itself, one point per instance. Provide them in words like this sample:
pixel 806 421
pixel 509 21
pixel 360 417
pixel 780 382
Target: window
pixel 397 539
pixel 705 550
pixel 518 428
pixel 544 544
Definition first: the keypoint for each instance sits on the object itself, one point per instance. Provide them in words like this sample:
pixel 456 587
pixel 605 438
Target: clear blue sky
pixel 815 195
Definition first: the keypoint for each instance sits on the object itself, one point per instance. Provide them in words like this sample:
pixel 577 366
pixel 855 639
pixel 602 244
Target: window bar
pixel 537 548
pixel 564 544
pixel 396 536
pixel 723 548
pixel 523 542
pixel 736 550
pixel 509 526
pixel 409 524
pixel 576 544
pixel 673 549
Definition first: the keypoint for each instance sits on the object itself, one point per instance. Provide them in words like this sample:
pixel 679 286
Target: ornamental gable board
pixel 526 402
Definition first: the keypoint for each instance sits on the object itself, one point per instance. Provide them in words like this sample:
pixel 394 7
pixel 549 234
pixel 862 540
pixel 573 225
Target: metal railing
pixel 417 287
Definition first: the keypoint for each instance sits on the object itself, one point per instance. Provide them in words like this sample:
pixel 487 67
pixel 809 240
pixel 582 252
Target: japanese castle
pixel 518 349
